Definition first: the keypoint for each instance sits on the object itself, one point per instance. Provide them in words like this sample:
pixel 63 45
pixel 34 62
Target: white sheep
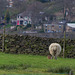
pixel 55 49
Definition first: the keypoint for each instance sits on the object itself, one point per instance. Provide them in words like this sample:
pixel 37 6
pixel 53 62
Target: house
pixel 13 22
pixel 53 28
pixel 38 27
pixel 70 27
pixel 10 3
pixel 23 20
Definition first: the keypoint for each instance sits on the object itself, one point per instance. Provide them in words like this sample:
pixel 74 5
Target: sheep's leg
pixel 52 57
pixel 55 57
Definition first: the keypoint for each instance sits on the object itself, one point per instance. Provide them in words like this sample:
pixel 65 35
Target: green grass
pixel 27 64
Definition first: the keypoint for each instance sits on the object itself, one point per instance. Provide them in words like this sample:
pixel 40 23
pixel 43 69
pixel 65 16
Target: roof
pixel 71 25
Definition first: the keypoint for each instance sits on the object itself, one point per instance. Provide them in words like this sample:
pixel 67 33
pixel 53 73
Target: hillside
pixel 54 7
pixel 3 4
pixel 35 6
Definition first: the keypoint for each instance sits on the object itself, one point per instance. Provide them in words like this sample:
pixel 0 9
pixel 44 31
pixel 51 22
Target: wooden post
pixel 64 44
pixel 3 40
pixel 64 29
pixel 71 73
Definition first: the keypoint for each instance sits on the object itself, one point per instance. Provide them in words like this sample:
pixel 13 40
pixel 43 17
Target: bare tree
pixel 3 4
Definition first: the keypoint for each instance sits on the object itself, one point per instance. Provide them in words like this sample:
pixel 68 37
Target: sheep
pixel 55 49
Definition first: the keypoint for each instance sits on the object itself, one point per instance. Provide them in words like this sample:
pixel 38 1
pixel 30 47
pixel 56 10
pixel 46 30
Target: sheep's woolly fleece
pixel 55 49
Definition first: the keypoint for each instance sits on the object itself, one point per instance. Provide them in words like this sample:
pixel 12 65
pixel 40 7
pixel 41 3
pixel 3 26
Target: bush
pixel 27 26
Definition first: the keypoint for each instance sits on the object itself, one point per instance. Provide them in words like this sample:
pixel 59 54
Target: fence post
pixel 71 73
pixel 64 44
pixel 3 40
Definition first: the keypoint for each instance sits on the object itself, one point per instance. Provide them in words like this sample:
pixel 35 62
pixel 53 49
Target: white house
pixel 23 20
pixel 10 3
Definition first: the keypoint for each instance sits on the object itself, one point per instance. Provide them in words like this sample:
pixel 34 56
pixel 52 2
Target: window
pixel 52 25
pixel 21 22
pixel 59 26
pixel 21 17
pixel 29 22
pixel 45 30
pixel 46 25
pixel 25 22
pixel 17 16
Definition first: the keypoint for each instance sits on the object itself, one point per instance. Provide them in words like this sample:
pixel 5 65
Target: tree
pixel 3 4
pixel 69 9
pixel 7 16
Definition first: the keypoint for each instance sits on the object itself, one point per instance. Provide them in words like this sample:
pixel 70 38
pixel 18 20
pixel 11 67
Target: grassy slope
pixel 31 64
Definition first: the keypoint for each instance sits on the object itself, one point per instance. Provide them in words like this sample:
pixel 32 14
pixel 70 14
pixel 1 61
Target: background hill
pixel 36 6
pixel 54 7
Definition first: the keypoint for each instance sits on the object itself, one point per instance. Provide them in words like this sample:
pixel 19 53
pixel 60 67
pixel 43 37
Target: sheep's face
pixel 54 48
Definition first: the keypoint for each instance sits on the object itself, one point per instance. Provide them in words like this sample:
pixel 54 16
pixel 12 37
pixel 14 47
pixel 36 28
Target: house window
pixel 25 22
pixel 21 22
pixel 29 22
pixel 59 26
pixel 73 30
pixel 26 17
pixel 52 25
pixel 21 17
pixel 45 30
pixel 46 25
pixel 59 30
pixel 18 16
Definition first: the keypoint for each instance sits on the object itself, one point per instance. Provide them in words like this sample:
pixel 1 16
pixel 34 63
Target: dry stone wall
pixel 35 45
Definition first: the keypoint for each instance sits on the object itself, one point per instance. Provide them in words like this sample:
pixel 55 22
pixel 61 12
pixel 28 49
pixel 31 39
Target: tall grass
pixel 35 63
pixel 60 69
pixel 8 67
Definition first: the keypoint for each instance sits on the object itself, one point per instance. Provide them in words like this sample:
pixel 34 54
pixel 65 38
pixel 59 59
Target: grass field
pixel 20 64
